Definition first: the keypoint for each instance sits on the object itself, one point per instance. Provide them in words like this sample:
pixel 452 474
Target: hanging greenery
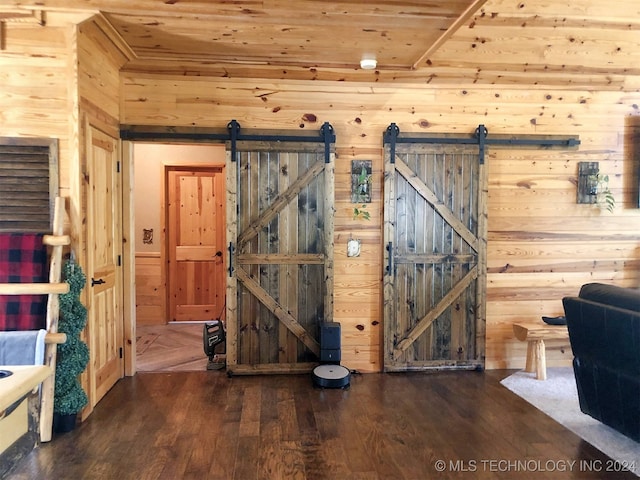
pixel 363 186
pixel 605 198
pixel 73 355
pixel 360 212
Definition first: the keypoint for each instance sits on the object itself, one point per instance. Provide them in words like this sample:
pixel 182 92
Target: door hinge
pixel 121 353
pixel 119 260
pixel 118 166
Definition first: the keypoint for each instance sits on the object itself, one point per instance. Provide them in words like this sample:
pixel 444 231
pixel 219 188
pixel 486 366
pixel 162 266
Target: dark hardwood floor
pixel 204 425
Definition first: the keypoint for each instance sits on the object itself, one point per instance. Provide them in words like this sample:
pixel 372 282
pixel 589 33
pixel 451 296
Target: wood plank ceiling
pixel 591 42
pixel 306 33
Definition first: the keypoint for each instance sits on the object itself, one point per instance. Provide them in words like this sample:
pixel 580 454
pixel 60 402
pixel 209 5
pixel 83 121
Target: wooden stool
pixel 535 334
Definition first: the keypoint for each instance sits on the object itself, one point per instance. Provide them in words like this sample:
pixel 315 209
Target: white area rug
pixel 558 397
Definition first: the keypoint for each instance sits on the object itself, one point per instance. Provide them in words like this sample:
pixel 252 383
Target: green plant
pixel 363 185
pixel 360 212
pixel 605 197
pixel 73 355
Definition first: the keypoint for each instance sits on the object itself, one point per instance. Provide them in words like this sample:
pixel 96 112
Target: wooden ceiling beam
pixel 455 26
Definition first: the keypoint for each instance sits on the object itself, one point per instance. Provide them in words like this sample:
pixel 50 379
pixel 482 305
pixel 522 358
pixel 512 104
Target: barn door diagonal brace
pixel 480 137
pixel 290 322
pixel 431 316
pixel 279 203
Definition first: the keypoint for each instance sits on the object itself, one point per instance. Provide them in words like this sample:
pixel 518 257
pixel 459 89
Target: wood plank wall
pixel 36 84
pixel 150 291
pixel 542 245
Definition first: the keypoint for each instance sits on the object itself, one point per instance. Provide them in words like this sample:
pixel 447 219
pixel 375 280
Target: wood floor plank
pixel 292 460
pixel 251 408
pixel 287 414
pixel 223 457
pixel 246 459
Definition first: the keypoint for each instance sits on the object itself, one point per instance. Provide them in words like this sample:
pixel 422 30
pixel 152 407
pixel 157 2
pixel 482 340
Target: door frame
pixel 129 235
pixel 128 257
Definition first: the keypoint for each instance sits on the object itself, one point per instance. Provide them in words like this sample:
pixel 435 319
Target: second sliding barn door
pixel 434 258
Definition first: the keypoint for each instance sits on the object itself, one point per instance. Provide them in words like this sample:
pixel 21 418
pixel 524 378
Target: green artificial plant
pixel 363 186
pixel 73 355
pixel 605 197
pixel 360 212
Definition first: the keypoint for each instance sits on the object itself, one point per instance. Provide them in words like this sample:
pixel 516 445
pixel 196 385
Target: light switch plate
pixel 353 248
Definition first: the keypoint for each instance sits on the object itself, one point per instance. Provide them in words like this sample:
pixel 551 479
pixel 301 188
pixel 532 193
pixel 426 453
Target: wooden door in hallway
pixel 104 260
pixel 195 231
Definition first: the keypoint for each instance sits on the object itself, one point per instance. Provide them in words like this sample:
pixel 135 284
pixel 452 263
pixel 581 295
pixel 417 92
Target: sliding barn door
pixel 434 279
pixel 280 281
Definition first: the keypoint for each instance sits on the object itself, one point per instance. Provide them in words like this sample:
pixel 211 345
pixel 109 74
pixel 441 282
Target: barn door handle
pixel 97 282
pixel 389 257
pixel 231 249
pixel 218 253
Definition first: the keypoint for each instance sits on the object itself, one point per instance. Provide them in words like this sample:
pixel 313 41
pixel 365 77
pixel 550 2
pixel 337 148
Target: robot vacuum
pixel 331 376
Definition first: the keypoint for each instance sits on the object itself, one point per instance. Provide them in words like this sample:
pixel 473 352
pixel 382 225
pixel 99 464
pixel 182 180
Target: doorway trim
pixel 128 229
pixel 128 258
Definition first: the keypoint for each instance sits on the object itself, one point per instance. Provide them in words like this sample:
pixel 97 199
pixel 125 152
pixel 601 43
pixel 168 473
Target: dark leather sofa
pixel 604 331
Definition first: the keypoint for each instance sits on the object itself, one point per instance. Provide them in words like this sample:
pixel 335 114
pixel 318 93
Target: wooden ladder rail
pixel 57 241
pixel 54 288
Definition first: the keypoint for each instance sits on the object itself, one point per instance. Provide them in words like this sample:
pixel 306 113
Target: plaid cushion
pixel 23 259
